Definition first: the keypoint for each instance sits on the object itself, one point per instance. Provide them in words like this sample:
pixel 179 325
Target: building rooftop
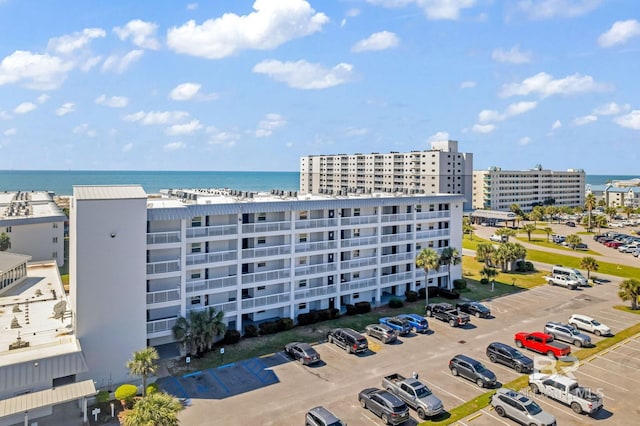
pixel 20 207
pixel 108 192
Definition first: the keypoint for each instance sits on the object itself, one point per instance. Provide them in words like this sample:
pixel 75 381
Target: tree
pixel 450 256
pixel 627 210
pixel 573 240
pixel 508 253
pixel 578 209
pixel 529 228
pixel 589 204
pixel 629 289
pixel 5 242
pixel 602 203
pixel 144 364
pixel 536 214
pixel 611 212
pixel 428 259
pixel 506 231
pixel 590 264
pixel 157 409
pixel 485 253
pixel 489 273
pixel 547 231
pixel 600 221
pixel 467 227
pixel 197 333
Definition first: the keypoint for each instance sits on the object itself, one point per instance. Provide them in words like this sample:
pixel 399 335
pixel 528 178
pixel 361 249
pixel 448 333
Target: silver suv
pixel 320 416
pixel 567 333
pixel 516 406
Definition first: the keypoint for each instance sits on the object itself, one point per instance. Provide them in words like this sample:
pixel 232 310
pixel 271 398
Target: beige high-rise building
pixel 497 189
pixel 439 170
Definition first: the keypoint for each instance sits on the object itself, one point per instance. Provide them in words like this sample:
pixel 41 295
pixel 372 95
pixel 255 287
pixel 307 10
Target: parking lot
pixel 336 381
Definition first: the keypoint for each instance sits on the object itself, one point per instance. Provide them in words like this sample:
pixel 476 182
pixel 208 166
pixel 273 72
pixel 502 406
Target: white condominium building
pixel 497 189
pixel 140 263
pixel 440 170
pixel 34 224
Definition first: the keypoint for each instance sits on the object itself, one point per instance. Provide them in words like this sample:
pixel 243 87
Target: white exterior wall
pixel 39 240
pixel 107 283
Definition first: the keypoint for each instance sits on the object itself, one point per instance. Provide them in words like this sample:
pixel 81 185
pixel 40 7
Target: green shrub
pixel 102 397
pixel 250 331
pixel 285 324
pixel 153 388
pixel 411 296
pixel 484 281
pixel 126 393
pixel 394 302
pixel 363 307
pixel 460 284
pixel 351 309
pixel 231 336
pixel 528 267
pixel 270 327
pixel 335 313
pixel 304 319
pixel 324 315
pixel 521 266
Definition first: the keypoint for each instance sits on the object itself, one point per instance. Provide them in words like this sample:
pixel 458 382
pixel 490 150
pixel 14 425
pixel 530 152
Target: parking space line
pixel 494 417
pixel 616 362
pixel 601 380
pixel 625 323
pixel 462 379
pixel 611 371
pixel 559 406
pixel 617 314
pixel 431 385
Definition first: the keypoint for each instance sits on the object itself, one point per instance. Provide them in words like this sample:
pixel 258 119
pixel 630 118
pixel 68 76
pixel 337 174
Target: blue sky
pixel 255 85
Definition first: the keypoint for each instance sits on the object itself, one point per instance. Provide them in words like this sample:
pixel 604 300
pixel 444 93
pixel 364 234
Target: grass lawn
pixel 520 280
pixel 544 243
pixel 627 309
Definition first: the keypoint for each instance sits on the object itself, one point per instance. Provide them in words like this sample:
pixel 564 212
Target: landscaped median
pixel 483 401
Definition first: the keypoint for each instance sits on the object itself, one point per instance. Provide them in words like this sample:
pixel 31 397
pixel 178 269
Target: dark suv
pixel 471 369
pixel 384 404
pixel 511 357
pixel 320 416
pixel 348 339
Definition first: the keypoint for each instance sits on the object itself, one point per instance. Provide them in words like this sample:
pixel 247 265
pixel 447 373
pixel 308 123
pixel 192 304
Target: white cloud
pixel 356 131
pixel 611 108
pixel 544 85
pixel 190 91
pixel 631 120
pixel 127 147
pixel 377 41
pixel 546 9
pixel 42 98
pixel 192 6
pixel 157 117
pixel 305 75
pixel 439 136
pixel 174 146
pixel 5 116
pixel 271 24
pixel 10 132
pixel 24 108
pixel 90 63
pixel 468 84
pixel 619 33
pixel 524 141
pixel 433 9
pixel 141 33
pixel 85 130
pixel 34 71
pixel 556 125
pixel 119 64
pixel 66 108
pixel 218 137
pixel 68 44
pixel 581 121
pixel 483 128
pixel 512 56
pixel 488 115
pixel 184 129
pixel 268 124
pixel 353 12
pixel 113 101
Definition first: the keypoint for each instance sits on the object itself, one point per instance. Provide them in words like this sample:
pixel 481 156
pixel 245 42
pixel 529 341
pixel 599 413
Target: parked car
pixel 570 224
pixel 584 322
pixel 566 390
pixel 471 369
pixel 542 343
pixel 447 313
pixel 567 333
pixel 348 339
pixel 498 238
pixel 382 332
pixel 302 352
pixel 401 326
pixel 385 405
pixel 474 308
pixel 613 244
pixel 414 393
pixel 417 322
pixel 320 416
pixel 509 356
pixel 519 407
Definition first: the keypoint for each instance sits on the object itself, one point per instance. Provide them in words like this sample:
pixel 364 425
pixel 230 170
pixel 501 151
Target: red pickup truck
pixel 543 343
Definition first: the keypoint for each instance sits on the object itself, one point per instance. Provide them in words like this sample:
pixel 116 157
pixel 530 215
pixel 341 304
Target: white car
pixel 584 322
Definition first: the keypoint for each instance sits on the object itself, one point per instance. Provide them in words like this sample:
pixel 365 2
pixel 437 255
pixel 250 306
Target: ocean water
pixel 61 181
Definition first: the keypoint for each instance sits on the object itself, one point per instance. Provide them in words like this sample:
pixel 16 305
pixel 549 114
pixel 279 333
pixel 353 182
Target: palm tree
pixel 529 228
pixel 590 264
pixel 214 327
pixel 611 211
pixel 144 364
pixel 183 331
pixel 448 257
pixel 601 221
pixel 489 273
pixel 198 333
pixel 506 231
pixel 629 289
pixel 485 252
pixel 602 203
pixel 467 227
pixel 157 409
pixel 627 210
pixel 573 240
pixel 589 203
pixel 508 253
pixel 428 259
pixel 547 231
pixel 536 214
pixel 5 242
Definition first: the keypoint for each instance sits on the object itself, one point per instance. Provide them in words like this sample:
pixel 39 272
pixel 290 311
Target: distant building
pixel 615 195
pixel 440 170
pixel 34 224
pixel 497 189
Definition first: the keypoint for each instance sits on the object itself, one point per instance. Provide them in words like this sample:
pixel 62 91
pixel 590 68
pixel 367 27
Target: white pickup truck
pixel 567 391
pixel 498 238
pixel 562 280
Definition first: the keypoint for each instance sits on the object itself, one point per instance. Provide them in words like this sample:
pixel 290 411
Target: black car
pixel 570 224
pixel 471 369
pixel 348 339
pixel 303 352
pixel 509 356
pixel 474 308
pixel 385 405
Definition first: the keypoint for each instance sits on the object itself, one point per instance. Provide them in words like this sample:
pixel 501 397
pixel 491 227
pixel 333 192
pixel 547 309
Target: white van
pixel 571 273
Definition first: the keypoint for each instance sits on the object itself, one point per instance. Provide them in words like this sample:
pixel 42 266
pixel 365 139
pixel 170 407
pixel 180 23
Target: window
pixel 195 275
pixel 195 300
pixel 196 248
pixel 304 215
pixel 261 287
pixel 196 221
pixel 54 255
pixel 356 211
pixel 356 295
pixel 262 217
pixel 356 275
pixel 262 240
pixel 55 240
pixel 8 229
pixel 302 306
pixel 302 261
pixel 303 238
pixel 303 283
pixel 55 226
pixel 356 232
pixel 262 264
pixel 356 253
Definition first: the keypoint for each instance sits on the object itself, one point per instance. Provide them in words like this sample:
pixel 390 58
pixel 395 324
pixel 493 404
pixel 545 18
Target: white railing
pixel 219 307
pixel 359 220
pixel 221 256
pixel 359 241
pixel 162 296
pixel 399 257
pixel 316 269
pixel 403 276
pixel 266 227
pixel 358 263
pixel 211 284
pixel 266 276
pixel 314 292
pixel 315 223
pixel 266 251
pixel 433 215
pixel 432 233
pixel 212 231
pixel 163 267
pixel 272 299
pixel 397 217
pixel 160 325
pixel 358 284
pixel 316 246
pixel 397 237
pixel 163 237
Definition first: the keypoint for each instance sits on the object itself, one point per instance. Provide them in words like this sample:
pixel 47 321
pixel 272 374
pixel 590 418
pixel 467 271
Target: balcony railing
pixel 403 276
pixel 398 257
pixel 266 276
pixel 272 299
pixel 212 284
pixel 316 269
pixel 266 251
pixel 359 263
pixel 314 292
pixel 162 296
pixel 433 215
pixel 163 237
pixel 432 233
pixel 266 227
pixel 212 231
pixel 392 238
pixel 163 267
pixel 316 246
pixel 359 220
pixel 226 307
pixel 221 256
pixel 397 217
pixel 359 241
pixel 358 284
pixel 160 325
pixel 315 223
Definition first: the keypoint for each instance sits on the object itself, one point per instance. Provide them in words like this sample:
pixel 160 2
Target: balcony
pixel 394 278
pixel 316 223
pixel 160 325
pixel 433 215
pixel 162 296
pixel 399 257
pixel 163 267
pixel 266 301
pixel 266 227
pixel 260 277
pixel 163 237
pixel 316 246
pixel 359 263
pixel 356 285
pixel 357 242
pixel 212 231
pixel 226 307
pixel 432 233
pixel 315 292
pixel 359 220
pixel 221 256
pixel 394 238
pixel 212 284
pixel 397 217
pixel 316 269
pixel 266 251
